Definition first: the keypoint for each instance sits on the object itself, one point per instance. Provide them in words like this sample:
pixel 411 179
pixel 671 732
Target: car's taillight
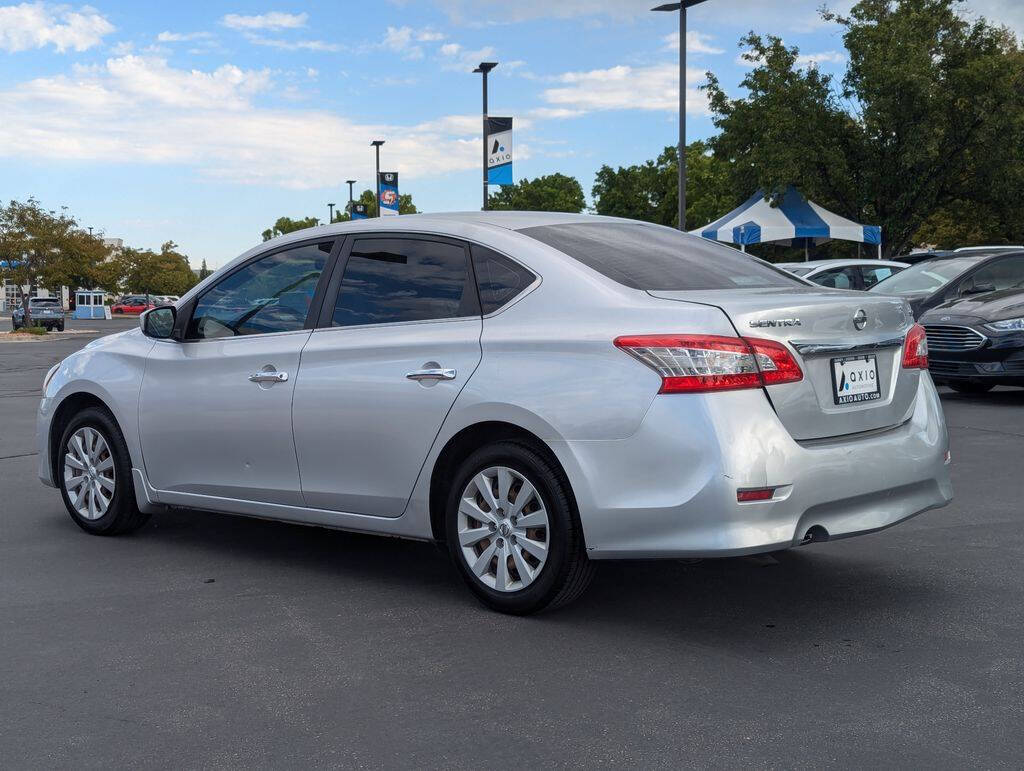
pixel 695 363
pixel 915 349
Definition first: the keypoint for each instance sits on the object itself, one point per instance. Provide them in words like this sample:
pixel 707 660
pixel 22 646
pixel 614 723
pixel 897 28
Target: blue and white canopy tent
pixel 794 221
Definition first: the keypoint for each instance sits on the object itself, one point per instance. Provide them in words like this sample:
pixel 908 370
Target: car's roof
pixel 815 264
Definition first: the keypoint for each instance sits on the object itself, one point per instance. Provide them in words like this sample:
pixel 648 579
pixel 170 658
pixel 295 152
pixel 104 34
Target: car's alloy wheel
pixel 503 529
pixel 513 530
pixel 90 479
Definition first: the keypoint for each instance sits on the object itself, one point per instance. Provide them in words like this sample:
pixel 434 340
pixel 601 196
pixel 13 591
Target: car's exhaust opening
pixel 815 534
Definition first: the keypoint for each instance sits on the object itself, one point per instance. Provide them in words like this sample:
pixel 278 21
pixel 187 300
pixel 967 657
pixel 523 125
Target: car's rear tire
pixel 523 551
pixel 972 387
pixel 60 327
pixel 94 473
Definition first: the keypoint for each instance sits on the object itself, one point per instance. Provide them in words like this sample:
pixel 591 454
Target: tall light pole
pixel 376 144
pixel 350 182
pixel 330 213
pixel 483 68
pixel 681 7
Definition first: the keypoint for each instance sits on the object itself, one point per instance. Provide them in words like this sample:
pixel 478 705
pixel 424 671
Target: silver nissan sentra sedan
pixel 535 390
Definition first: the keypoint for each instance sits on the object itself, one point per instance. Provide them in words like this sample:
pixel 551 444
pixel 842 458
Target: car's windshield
pixel 926 276
pixel 43 301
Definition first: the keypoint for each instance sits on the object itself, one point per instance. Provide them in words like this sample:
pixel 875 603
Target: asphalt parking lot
pixel 208 640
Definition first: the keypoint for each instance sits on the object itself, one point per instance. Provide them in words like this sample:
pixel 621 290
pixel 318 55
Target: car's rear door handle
pixel 268 377
pixel 433 374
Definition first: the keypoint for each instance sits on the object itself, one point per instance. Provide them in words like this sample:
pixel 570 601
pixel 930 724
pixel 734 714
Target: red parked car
pixel 132 304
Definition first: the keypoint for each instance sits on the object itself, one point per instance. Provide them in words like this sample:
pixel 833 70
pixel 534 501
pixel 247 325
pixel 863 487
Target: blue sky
pixel 204 122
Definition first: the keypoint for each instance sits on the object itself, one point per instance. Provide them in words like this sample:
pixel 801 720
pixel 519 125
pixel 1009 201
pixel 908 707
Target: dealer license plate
pixel 855 379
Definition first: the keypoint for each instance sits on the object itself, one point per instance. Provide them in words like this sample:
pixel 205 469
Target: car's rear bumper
pixel 670 489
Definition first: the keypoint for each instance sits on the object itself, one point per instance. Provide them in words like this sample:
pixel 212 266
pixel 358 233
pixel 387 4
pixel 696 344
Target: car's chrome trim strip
pixel 806 348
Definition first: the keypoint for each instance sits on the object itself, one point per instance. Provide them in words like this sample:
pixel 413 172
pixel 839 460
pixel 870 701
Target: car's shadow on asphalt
pixel 745 604
pixel 1013 397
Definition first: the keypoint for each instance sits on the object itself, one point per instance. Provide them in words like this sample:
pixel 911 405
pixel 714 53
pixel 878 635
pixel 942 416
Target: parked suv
pixel 42 312
pixel 535 390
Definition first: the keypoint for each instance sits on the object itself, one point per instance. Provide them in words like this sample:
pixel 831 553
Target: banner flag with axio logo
pixel 388 202
pixel 499 151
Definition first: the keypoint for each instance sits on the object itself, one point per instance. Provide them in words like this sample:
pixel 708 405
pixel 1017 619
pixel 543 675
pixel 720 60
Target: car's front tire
pixel 94 473
pixel 512 530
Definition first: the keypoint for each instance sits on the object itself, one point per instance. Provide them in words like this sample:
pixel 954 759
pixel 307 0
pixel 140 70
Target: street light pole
pixel 376 144
pixel 483 68
pixel 350 182
pixel 330 213
pixel 681 7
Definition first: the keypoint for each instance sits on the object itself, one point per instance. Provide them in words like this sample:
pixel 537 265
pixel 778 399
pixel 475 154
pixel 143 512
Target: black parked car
pixel 933 282
pixel 977 342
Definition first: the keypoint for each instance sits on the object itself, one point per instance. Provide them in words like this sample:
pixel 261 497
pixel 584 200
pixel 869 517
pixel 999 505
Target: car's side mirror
pixel 158 323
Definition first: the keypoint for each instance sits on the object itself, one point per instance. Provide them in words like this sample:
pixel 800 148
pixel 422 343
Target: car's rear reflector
pixel 756 494
pixel 915 349
pixel 699 363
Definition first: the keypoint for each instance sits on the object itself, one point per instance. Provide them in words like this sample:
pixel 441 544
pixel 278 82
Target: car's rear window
pixel 43 301
pixel 647 257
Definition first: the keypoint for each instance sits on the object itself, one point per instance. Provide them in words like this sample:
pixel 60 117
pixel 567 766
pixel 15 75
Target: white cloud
pixel 274 20
pixel 628 88
pixel 39 24
pixel 803 60
pixel 486 12
pixel 405 40
pixel 294 45
pixel 178 37
pixel 813 60
pixel 455 57
pixel 1009 13
pixel 141 110
pixel 696 43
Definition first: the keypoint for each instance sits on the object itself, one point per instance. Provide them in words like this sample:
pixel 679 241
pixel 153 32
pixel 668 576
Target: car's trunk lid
pixel 818 327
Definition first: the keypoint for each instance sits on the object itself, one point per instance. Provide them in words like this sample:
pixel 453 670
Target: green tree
pixel 929 113
pixel 205 271
pixel 144 271
pixel 650 191
pixel 554 192
pixel 45 248
pixel 288 225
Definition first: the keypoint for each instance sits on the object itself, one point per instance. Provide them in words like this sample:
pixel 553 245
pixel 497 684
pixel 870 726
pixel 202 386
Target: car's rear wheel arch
pixel 465 443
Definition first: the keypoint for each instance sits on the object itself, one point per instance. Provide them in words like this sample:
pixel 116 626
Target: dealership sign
pixel 499 151
pixel 388 202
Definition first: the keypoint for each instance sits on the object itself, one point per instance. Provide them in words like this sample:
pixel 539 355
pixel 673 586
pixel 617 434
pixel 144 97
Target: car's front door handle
pixel 432 374
pixel 269 377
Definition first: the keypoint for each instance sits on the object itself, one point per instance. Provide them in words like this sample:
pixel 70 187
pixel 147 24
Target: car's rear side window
pixel 389 280
pixel 498 278
pixel 647 257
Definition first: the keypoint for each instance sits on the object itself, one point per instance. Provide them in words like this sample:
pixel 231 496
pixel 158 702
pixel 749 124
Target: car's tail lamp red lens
pixel 698 363
pixel 915 349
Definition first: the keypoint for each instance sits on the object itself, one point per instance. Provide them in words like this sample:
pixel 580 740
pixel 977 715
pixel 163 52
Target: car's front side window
pixel 390 280
pixel 1005 273
pixel 271 294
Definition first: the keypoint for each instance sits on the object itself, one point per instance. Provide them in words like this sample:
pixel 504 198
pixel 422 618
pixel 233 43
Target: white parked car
pixel 538 391
pixel 845 274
